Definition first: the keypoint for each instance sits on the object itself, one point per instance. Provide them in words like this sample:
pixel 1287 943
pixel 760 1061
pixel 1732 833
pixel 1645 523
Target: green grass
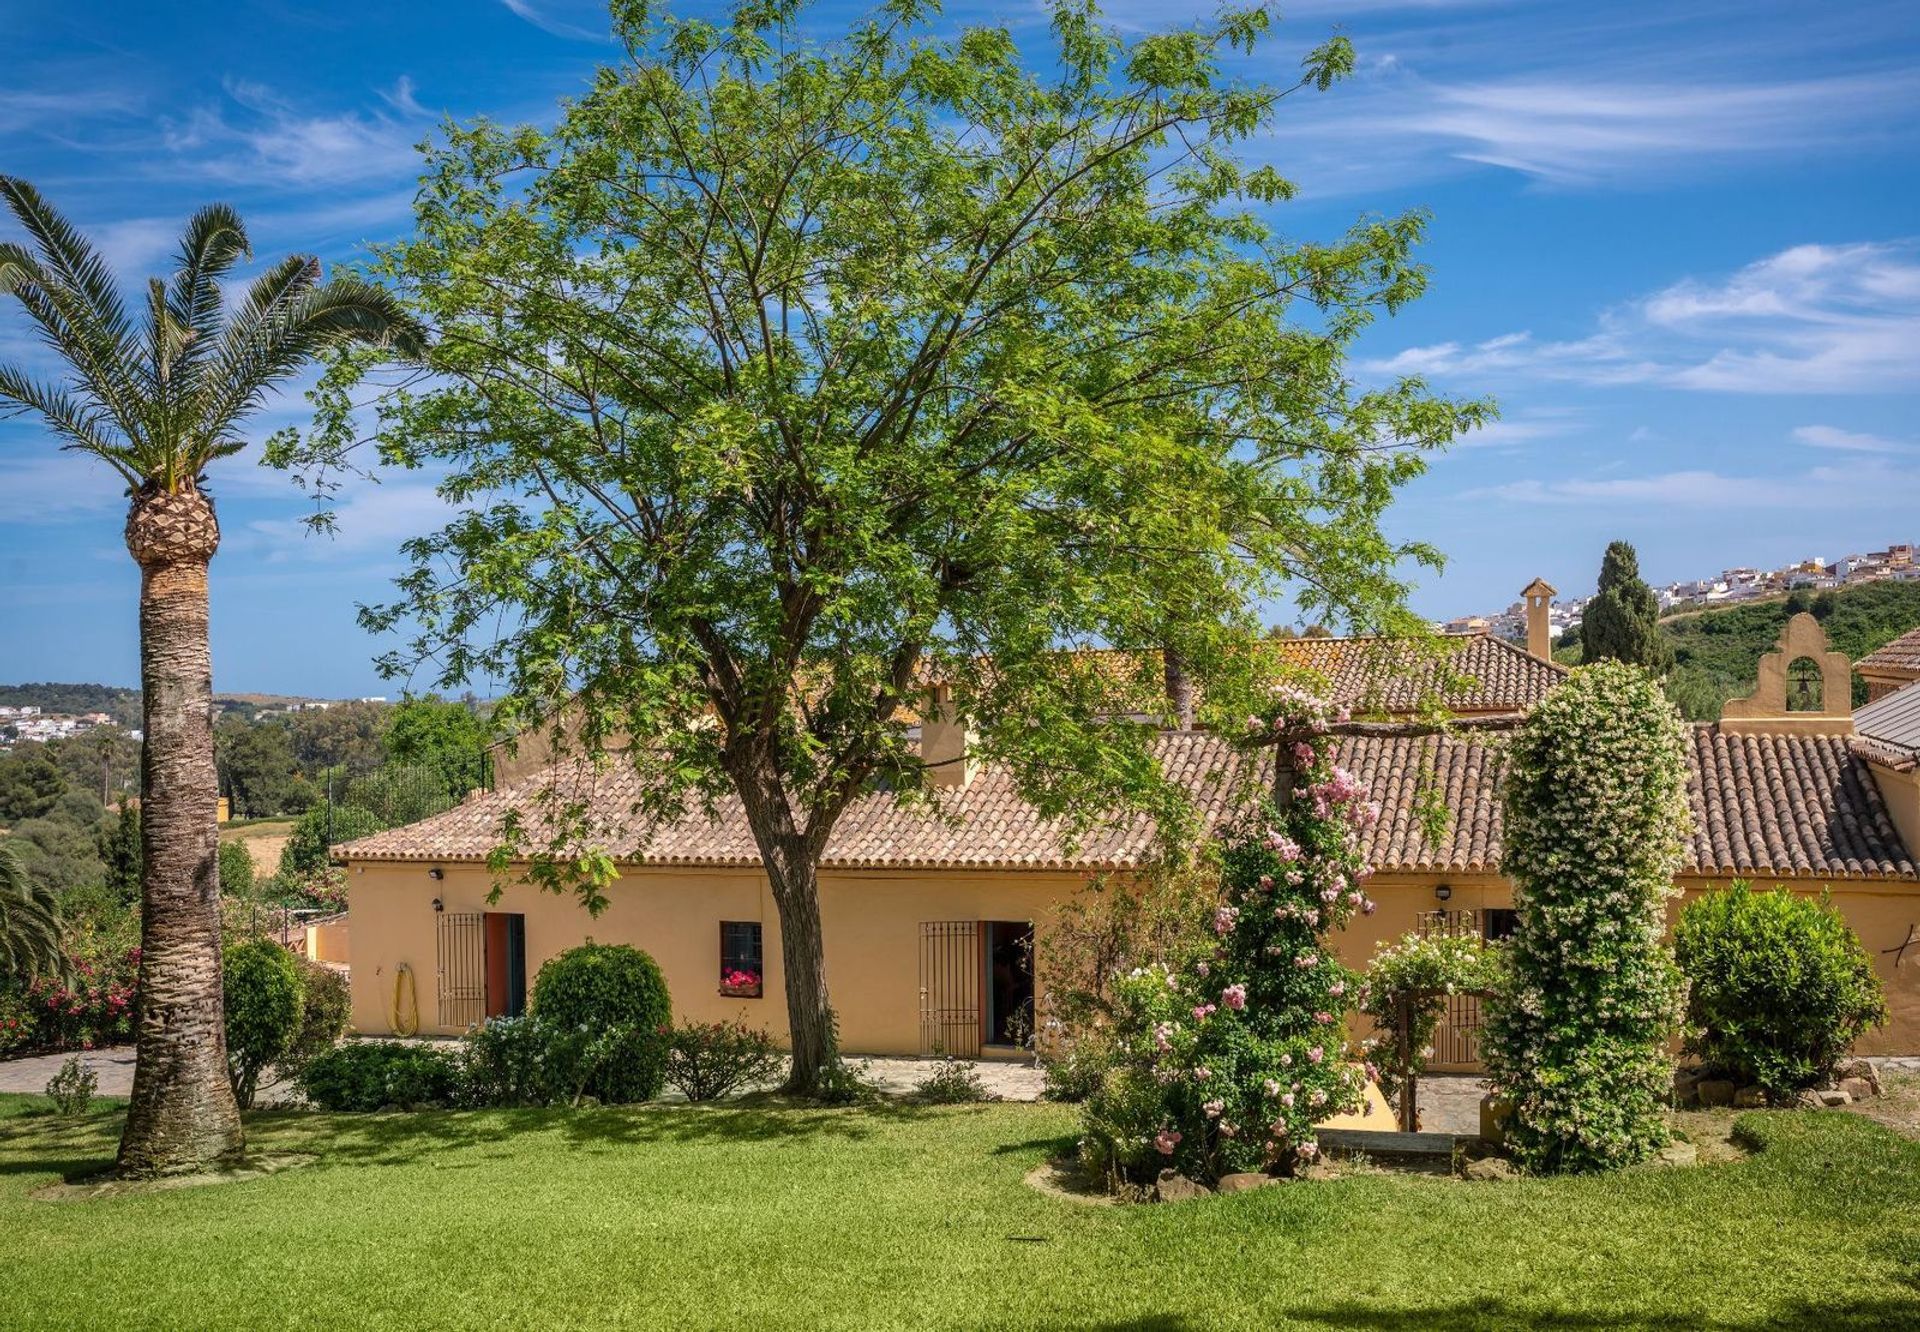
pixel 899 1217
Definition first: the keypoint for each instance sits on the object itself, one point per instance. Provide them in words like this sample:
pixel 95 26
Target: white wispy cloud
pixel 1868 485
pixel 1810 319
pixel 1847 441
pixel 542 17
pixel 259 138
pixel 370 520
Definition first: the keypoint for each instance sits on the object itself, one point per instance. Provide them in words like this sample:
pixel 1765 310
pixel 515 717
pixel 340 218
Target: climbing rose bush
pixel 1226 1059
pixel 1423 971
pixel 1576 1038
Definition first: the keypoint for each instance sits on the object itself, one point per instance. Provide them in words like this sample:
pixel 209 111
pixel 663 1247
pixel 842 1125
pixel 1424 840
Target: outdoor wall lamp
pixel 438 905
pixel 1443 892
pixel 436 874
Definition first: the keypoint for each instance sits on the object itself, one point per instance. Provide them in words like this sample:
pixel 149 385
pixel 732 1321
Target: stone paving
pixel 113 1066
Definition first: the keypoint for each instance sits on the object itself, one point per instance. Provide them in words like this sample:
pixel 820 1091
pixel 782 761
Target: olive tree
pixel 783 377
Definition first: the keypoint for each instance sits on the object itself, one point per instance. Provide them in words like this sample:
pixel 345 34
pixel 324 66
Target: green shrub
pixel 364 1076
pixel 305 854
pixel 952 1082
pixel 261 981
pixel 236 870
pixel 510 1062
pixel 71 1089
pixel 326 1006
pixel 1076 1070
pixel 1781 987
pixel 1576 1035
pixel 609 1007
pixel 1414 977
pixel 706 1060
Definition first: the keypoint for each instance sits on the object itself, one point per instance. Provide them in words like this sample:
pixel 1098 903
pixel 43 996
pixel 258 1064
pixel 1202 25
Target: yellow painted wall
pixel 1880 913
pixel 327 941
pixel 872 925
pixel 871 921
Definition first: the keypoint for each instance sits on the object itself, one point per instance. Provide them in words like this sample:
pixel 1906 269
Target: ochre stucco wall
pixel 871 921
pixel 872 924
pixel 1880 913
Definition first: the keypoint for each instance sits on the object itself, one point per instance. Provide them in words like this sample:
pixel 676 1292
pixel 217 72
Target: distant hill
pixel 1717 650
pixel 123 705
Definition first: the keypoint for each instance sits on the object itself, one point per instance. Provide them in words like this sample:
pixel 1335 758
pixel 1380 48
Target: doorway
pixel 1009 982
pixel 506 964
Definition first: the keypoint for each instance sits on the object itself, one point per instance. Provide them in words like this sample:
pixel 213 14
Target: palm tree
pixel 157 401
pixel 29 922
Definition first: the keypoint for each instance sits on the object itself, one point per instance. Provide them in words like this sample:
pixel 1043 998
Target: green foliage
pixel 1595 816
pixel 1779 986
pixel 305 853
pixel 31 783
pixel 71 1089
pixel 326 1006
pixel 29 922
pixel 123 705
pixel 445 738
pixel 261 984
pixel 258 774
pixel 121 854
pixel 708 1060
pixel 1227 1063
pixel 512 1062
pixel 1410 980
pixel 344 735
pixel 952 1082
pixel 613 998
pixel 935 351
pixel 1718 650
pixel 57 853
pixel 236 870
pixel 1621 622
pixel 365 1076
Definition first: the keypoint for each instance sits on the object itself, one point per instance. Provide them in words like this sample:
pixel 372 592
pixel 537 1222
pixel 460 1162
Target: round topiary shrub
pixel 1781 986
pixel 261 981
pixel 609 1003
pixel 1576 1035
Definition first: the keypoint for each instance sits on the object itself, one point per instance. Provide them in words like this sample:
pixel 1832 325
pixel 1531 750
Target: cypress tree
pixel 1621 623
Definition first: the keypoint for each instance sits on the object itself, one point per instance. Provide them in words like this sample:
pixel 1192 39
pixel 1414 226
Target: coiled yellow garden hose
pixel 410 1024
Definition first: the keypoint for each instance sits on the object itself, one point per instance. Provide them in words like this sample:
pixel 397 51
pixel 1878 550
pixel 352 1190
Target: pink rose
pixel 1234 997
pixel 1316 1054
pixel 1166 1140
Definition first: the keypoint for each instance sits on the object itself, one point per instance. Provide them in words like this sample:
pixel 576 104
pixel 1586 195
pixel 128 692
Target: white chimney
pixel 1538 596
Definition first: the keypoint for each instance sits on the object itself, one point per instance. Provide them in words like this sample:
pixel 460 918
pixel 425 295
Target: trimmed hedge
pixel 378 1075
pixel 1781 986
pixel 610 1001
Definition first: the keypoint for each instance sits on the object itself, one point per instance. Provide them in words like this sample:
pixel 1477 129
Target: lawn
pixel 901 1217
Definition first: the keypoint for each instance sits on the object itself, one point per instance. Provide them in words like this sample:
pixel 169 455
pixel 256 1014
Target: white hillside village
pixel 1729 587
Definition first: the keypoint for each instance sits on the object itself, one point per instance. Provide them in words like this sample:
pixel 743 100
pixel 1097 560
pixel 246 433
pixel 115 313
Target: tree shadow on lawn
pixel 402 1137
pixel 85 1144
pixel 1488 1313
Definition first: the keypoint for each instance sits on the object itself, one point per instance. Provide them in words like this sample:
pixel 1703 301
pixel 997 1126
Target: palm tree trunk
pixel 183 1116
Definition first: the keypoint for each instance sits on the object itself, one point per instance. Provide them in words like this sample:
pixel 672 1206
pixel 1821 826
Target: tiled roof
pixel 1889 728
pixel 1901 656
pixel 1392 676
pixel 1763 805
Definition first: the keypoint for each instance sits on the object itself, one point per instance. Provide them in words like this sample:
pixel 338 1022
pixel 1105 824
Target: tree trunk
pixel 1179 689
pixel 182 1117
pixel 796 893
pixel 793 872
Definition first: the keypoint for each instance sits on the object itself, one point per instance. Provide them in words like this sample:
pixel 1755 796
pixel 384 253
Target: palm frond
pixel 82 426
pixel 108 370
pixel 29 922
pixel 68 256
pixel 271 339
pixel 214 241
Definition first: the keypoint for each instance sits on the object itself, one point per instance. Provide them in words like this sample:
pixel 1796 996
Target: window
pixel 1804 685
pixel 740 958
pixel 1499 923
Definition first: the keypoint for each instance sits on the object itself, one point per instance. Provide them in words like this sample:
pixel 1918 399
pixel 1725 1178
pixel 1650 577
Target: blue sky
pixel 1680 243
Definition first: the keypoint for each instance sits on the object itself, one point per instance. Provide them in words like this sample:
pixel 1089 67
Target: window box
pixel 740 968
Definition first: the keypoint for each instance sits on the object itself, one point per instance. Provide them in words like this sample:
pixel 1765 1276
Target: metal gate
pixel 950 1013
pixel 1456 1037
pixel 462 969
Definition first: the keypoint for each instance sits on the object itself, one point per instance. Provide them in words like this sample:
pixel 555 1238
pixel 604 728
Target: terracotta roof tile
pixel 1901 656
pixel 1387 675
pixel 1763 805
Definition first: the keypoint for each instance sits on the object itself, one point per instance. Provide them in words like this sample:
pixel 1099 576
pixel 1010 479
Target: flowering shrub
pixel 509 1062
pixel 1419 971
pixel 91 1007
pixel 740 982
pixel 1780 986
pixel 1596 809
pixel 1225 1063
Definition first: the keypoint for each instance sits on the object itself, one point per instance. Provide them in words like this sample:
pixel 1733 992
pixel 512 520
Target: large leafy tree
pixel 782 378
pixel 1622 622
pixel 157 399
